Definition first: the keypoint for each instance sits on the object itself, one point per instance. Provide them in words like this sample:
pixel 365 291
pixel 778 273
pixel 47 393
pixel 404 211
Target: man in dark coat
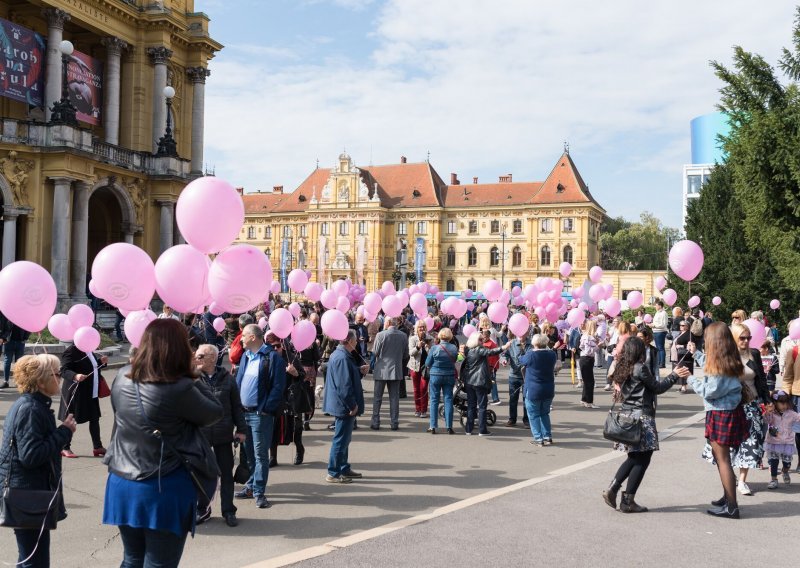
pixel 13 338
pixel 391 350
pixel 79 394
pixel 221 435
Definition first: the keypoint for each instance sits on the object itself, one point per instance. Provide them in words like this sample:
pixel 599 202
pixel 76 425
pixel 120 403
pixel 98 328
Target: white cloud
pixel 488 88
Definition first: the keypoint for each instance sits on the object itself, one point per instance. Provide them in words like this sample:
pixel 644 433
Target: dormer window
pixel 301 198
pixel 416 193
pixel 560 188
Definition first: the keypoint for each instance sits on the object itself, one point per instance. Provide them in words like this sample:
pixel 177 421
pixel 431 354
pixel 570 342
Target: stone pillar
pixel 80 242
pixel 198 77
pixel 9 237
pixel 55 33
pixel 167 214
pixel 128 231
pixel 60 237
pixel 159 56
pixel 111 85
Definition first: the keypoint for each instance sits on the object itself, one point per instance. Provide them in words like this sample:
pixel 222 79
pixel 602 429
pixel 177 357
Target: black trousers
pixel 224 455
pixel 297 437
pixel 94 432
pixel 633 469
pixel 587 376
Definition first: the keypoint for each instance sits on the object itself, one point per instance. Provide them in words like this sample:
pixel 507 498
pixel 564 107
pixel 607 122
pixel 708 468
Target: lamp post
pixel 503 266
pixel 63 112
pixel 167 145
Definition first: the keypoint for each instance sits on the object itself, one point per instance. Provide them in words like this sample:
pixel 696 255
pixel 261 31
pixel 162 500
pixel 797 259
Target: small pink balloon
pixel 262 323
pixel 135 324
pixel 693 302
pixel 497 312
pixel 209 214
pixel 575 317
pixel 391 306
pixel 93 289
pixel 577 292
pixel 648 318
pixel 61 328
pixel 334 324
pixel 388 288
pixel 215 309
pixel 635 299
pixel 596 292
pixel 595 274
pixel 342 304
pixel 340 287
pixel 467 294
pixel 372 302
pixel 492 290
pixel 303 335
pixel 218 324
pixel 418 302
pixel 329 299
pixel 87 339
pixel 295 309
pixel 80 315
pixel 565 269
pixel 774 304
pixel 468 330
pixel 281 323
pixel 670 296
pixel 459 307
pixel 429 323
pixel 275 287
pixel 613 307
pixel 313 291
pixel 433 290
pixel 660 283
pixel 686 259
pixel 297 280
pixel 716 300
pixel 27 295
pixel 471 306
pixel 453 323
pixel 439 296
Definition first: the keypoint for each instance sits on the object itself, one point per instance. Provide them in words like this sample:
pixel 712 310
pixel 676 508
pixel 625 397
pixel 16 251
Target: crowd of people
pixel 192 393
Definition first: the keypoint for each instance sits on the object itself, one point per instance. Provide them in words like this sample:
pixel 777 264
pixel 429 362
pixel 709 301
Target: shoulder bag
pixel 27 508
pixel 241 474
pixel 623 426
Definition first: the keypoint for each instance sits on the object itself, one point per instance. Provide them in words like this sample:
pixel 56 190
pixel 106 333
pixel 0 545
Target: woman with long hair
pixel 723 395
pixel 588 347
pixel 636 390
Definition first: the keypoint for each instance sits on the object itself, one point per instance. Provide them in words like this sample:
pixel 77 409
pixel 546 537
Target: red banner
pixel 21 64
pixel 85 84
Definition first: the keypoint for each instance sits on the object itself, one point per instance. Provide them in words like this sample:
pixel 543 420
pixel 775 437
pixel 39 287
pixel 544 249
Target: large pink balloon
pixel 595 274
pixel 468 330
pixel 340 287
pixel 329 299
pixel 660 283
pixel 670 296
pixel 794 329
pixel 87 339
pixel 80 315
pixel 635 299
pixel 334 324
pixel 418 303
pixel 392 306
pixel 295 309
pixel 693 302
pixel 297 280
pixel 125 276
pixel 575 317
pixel 372 302
pixel 238 277
pixel 565 269
pixel 303 334
pixel 757 333
pixel 281 322
pixel 210 214
pixel 492 290
pixel 686 259
pixel 313 291
pixel 518 325
pixel 218 324
pixel 716 300
pixel 613 307
pixel 388 288
pixel 61 328
pixel 182 278
pixel 497 312
pixel 27 295
pixel 342 304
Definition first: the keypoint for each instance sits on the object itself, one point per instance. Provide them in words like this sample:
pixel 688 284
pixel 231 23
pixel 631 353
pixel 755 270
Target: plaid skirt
pixel 727 427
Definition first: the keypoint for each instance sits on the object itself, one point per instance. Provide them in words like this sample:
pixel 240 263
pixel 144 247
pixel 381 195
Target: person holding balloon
pixel 12 338
pixel 660 330
pixel 588 347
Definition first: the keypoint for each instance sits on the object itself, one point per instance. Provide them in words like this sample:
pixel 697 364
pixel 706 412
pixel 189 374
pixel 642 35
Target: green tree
pixel 642 245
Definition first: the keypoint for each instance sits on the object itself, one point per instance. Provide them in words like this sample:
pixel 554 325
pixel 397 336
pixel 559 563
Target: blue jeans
pixel 539 415
pixel 514 390
pixel 661 338
pixel 477 398
pixel 442 385
pixel 257 444
pixel 14 350
pixel 495 394
pixel 26 542
pixel 146 548
pixel 342 434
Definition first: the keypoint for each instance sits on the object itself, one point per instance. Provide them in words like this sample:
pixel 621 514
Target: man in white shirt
pixel 168 313
pixel 660 331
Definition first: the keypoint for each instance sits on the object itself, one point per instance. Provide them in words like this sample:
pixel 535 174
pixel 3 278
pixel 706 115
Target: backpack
pixel 696 328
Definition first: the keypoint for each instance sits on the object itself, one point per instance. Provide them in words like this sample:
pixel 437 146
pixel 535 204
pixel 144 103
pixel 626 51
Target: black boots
pixel 719 502
pixel 628 505
pixel 725 511
pixel 298 458
pixel 610 494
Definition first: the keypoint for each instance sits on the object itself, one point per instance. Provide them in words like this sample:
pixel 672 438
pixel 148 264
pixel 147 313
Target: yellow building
pixel 71 188
pixel 350 221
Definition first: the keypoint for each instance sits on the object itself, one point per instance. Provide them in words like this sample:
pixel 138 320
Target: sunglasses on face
pixel 744 337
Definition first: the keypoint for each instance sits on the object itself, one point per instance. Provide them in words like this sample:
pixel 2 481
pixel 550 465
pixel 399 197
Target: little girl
pixel 779 444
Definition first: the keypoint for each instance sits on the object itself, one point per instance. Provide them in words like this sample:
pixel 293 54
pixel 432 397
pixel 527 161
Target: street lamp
pixel 167 145
pixel 63 112
pixel 503 268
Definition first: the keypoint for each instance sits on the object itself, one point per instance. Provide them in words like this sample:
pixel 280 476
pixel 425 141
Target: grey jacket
pixel 391 351
pixel 416 349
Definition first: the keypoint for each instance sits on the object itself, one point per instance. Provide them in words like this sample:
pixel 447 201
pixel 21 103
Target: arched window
pixel 472 257
pixel 516 256
pixel 451 285
pixel 494 256
pixel 567 256
pixel 472 285
pixel 545 256
pixel 451 256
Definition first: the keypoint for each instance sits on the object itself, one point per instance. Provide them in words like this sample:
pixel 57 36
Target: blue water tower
pixel 706 146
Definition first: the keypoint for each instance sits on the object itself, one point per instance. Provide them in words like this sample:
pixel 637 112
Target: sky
pixel 482 87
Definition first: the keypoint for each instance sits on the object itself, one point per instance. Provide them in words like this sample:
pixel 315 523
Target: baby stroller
pixel 460 405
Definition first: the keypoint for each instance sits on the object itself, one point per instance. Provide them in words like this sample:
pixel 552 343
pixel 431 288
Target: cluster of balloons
pixel 76 325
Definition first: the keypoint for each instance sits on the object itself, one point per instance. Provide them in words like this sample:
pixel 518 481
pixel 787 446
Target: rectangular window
pixel 251 232
pixel 547 225
pixel 324 229
pixel 343 228
pixel 402 228
pixel 451 228
pixel 569 225
pixel 362 227
pixel 694 183
pixel 473 227
pixel 517 225
pixel 422 227
pixel 287 231
pixel 268 232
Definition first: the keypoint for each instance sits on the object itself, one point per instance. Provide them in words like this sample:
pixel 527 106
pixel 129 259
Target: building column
pixel 60 236
pixel 55 33
pixel 80 242
pixel 167 214
pixel 198 75
pixel 111 85
pixel 128 231
pixel 9 237
pixel 159 56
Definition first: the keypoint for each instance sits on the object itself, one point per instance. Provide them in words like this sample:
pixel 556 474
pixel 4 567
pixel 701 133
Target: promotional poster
pixel 21 64
pixel 85 85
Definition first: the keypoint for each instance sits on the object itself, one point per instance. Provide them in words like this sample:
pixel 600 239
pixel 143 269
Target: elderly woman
pixel 540 388
pixel 31 453
pixel 679 352
pixel 418 345
pixel 477 375
pixel 442 363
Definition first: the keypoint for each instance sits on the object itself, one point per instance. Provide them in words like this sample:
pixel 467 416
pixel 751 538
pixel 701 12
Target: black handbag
pixel 623 426
pixel 27 508
pixel 241 474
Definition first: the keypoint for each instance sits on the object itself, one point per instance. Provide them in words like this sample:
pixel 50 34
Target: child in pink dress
pixel 779 445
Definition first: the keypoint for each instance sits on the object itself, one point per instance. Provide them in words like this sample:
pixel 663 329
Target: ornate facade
pixel 68 191
pixel 348 221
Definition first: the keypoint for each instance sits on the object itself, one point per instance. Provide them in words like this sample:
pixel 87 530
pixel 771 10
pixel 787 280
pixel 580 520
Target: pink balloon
pixel 716 300
pixel 565 269
pixel 613 307
pixel 275 286
pixel 453 323
pixel 686 259
pixel 660 283
pixel 295 309
pixel 93 289
pixel 429 323
pixel 492 290
pixel 402 296
pixel 583 306
pixel 596 292
pixel 467 294
pixel 80 315
pixel 125 276
pixel 281 323
pixel 392 306
pixel 774 304
pixel 518 324
pixel 433 290
pixel 313 291
pixel 459 307
pixel 693 302
pixel 218 324
pixel 757 333
pixel 297 280
pixel 340 287
pixel 439 296
pixel 608 291
pixel 388 288
pixel 181 274
pixel 794 329
pixel 210 214
pixel 505 297
pixel 334 324
pixel 670 296
pixel 329 299
pixel 516 291
pixel 262 323
pixel 135 324
pixel 303 335
pixel 575 317
pixel 372 302
pixel 342 304
pixel 577 292
pixel 468 330
pixel 87 339
pixel 238 277
pixel 497 312
pixel 518 301
pixel 635 299
pixel 27 295
pixel 215 309
pixel 595 274
pixel 648 318
pixel 418 302
pixel 471 306
pixel 61 328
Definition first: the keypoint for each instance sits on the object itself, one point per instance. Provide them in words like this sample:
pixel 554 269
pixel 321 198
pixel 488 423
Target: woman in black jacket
pixel 636 389
pixel 651 352
pixel 679 352
pixel 477 379
pixel 81 376
pixel 296 402
pixel 310 359
pixel 31 452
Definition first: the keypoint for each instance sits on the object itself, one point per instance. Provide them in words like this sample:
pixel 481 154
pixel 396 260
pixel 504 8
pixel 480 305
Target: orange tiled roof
pixel 397 183
pixel 255 203
pixel 563 185
pixel 492 194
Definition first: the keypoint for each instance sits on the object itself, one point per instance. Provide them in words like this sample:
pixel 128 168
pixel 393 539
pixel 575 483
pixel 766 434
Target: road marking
pixel 361 536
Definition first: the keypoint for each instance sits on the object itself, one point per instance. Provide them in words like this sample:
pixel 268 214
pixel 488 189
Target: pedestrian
pixel 391 350
pixel 344 400
pixel 80 385
pixel 489 339
pixel 157 449
pixel 540 387
pixel 222 434
pixel 679 353
pixel 781 421
pixel 660 330
pixel 723 394
pixel 418 345
pixel 310 359
pixel 636 390
pixel 516 376
pixel 237 349
pixel 119 320
pixel 296 401
pixel 31 452
pixel 168 313
pixel 441 361
pixel 677 319
pixel 261 379
pixel 477 377
pixel 588 347
pixel 651 353
pixel 12 338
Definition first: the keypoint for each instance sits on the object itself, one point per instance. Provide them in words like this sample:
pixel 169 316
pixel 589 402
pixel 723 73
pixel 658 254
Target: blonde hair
pixel 591 327
pixel 740 314
pixel 445 334
pixel 32 372
pixel 676 311
pixel 420 324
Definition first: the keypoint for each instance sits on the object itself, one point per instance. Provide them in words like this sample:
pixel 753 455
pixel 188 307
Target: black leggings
pixel 587 376
pixel 94 432
pixel 633 470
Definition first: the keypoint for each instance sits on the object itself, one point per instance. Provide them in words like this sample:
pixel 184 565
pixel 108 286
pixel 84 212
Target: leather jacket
pixel 640 390
pixel 223 385
pixel 178 410
pixel 477 363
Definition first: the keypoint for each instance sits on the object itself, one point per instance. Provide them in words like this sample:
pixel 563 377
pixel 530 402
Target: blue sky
pixel 487 87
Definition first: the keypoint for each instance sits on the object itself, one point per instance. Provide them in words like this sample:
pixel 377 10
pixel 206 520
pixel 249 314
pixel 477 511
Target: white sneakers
pixel 772 484
pixel 744 489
